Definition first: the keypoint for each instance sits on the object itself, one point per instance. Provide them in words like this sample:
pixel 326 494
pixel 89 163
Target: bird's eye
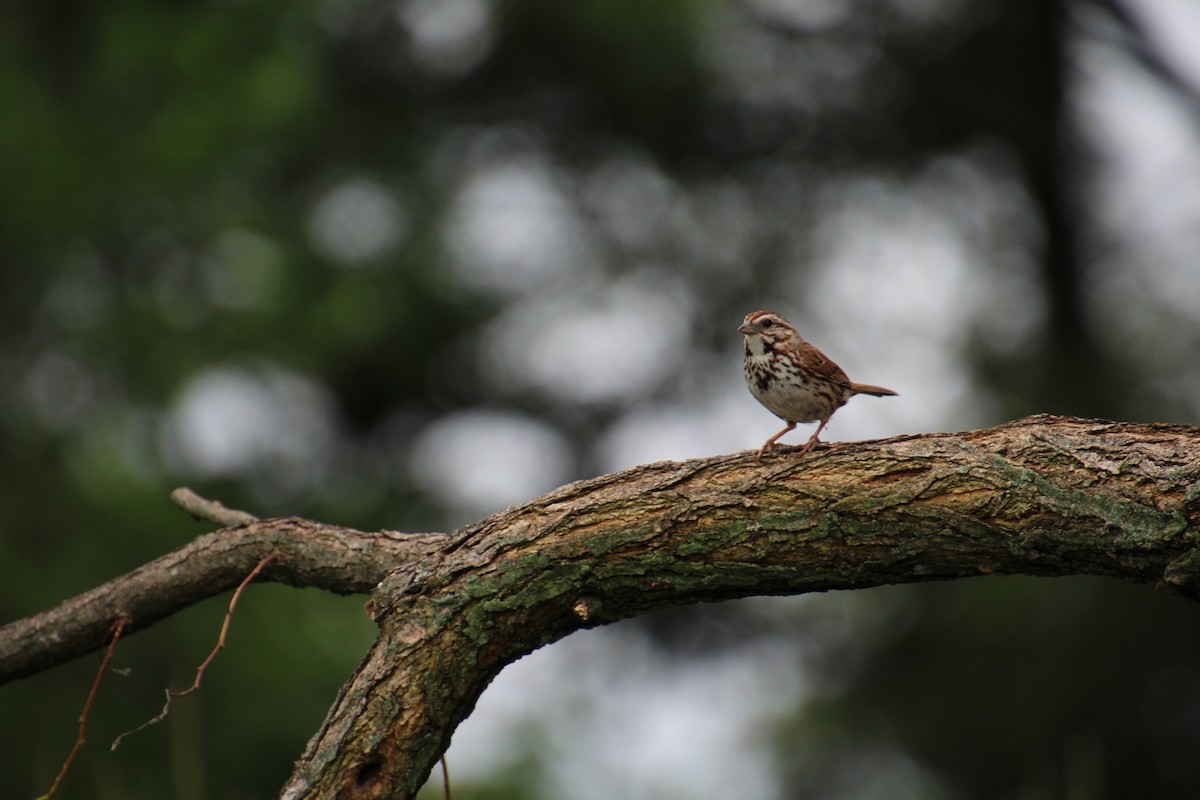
pixel 768 322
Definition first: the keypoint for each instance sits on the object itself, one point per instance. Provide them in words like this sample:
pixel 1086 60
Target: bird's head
pixel 768 329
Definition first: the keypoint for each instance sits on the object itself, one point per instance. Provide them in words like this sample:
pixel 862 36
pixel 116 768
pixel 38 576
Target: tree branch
pixel 308 554
pixel 1042 496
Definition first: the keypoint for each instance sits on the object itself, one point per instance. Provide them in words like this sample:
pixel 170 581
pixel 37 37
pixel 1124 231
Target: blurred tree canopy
pixel 400 264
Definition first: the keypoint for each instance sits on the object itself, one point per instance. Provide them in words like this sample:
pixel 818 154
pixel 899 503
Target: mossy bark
pixel 1042 496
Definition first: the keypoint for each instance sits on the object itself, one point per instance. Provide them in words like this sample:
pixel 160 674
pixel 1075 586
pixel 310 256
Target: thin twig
pixel 117 629
pixel 445 777
pixel 172 694
pixel 206 510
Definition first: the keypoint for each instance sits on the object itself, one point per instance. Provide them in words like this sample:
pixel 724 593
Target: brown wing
pixel 822 366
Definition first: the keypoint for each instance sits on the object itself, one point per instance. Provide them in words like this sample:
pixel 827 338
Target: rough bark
pixel 308 554
pixel 1042 496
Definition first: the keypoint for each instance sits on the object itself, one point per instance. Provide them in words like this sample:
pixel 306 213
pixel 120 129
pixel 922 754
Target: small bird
pixel 793 379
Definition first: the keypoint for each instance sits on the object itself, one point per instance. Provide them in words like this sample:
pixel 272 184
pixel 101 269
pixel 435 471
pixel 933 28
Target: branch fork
pixel 1041 496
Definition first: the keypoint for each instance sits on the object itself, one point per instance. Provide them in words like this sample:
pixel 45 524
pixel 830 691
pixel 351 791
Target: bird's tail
pixel 875 391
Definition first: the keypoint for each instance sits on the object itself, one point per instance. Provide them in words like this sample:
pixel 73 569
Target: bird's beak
pixel 748 328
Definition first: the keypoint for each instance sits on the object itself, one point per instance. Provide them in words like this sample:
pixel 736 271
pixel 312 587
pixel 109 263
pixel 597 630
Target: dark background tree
pixel 398 265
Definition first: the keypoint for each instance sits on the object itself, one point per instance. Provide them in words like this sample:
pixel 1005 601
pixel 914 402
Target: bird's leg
pixel 812 441
pixel 773 439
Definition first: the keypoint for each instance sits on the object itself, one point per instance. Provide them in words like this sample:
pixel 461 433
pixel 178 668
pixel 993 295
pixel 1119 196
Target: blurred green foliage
pixel 274 201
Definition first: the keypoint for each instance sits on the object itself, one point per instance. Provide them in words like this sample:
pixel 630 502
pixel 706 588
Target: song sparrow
pixel 793 379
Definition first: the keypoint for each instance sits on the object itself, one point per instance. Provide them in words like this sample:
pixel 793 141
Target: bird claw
pixel 797 449
pixel 809 446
